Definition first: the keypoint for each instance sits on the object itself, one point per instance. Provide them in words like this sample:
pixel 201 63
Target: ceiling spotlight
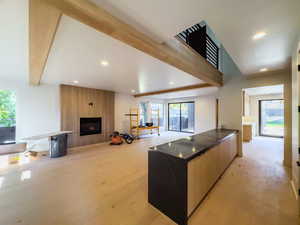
pixel 104 63
pixel 171 82
pixel 259 35
pixel 263 70
pixel 132 91
pixel 75 81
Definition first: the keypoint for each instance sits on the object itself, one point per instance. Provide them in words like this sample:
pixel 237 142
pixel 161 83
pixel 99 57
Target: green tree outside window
pixel 7 108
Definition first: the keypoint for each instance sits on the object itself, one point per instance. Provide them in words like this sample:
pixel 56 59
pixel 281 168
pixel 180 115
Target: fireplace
pixel 89 126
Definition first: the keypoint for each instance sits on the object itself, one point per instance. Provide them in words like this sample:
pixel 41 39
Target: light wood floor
pixel 107 185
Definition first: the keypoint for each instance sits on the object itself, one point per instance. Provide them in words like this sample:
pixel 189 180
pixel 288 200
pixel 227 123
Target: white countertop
pixel 42 136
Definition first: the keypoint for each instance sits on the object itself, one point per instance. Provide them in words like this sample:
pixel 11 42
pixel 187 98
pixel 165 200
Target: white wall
pixel 231 102
pixel 205 112
pixel 295 113
pixel 230 96
pixel 123 103
pixel 246 104
pixel 37 109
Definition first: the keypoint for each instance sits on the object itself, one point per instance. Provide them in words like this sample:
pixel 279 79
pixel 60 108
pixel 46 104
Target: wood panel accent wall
pixel 74 103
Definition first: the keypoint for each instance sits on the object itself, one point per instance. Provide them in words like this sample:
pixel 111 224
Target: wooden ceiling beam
pixel 43 22
pixel 173 53
pixel 185 88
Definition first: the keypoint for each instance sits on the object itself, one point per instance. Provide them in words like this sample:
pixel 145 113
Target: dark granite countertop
pixel 192 146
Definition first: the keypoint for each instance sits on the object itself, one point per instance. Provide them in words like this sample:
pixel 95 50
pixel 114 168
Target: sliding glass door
pixel 174 116
pixel 182 117
pixel 187 117
pixel 271 118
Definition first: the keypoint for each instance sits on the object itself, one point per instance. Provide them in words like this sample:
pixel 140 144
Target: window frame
pixel 180 128
pixel 260 119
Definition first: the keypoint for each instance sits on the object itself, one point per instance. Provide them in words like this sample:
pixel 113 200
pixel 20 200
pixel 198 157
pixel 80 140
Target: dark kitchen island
pixel 181 172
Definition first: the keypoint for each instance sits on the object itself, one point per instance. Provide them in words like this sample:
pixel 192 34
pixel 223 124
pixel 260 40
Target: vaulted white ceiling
pixel 78 49
pixel 233 21
pixel 77 53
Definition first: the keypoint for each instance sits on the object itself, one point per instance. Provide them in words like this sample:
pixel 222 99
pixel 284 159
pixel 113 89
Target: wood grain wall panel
pixel 75 104
pixel 205 170
pixel 109 113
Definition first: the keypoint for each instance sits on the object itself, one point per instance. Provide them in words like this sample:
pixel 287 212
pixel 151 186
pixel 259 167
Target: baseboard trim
pixel 294 189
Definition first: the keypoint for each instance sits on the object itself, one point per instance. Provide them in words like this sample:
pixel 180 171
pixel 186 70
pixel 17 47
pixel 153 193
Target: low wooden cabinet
pixel 247 132
pixel 179 180
pixel 204 171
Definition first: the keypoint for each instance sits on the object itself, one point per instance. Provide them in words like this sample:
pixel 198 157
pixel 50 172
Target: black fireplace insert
pixel 89 126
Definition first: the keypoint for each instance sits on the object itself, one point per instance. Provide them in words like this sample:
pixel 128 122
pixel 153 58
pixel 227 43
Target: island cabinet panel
pixel 204 171
pixel 181 173
pixel 199 168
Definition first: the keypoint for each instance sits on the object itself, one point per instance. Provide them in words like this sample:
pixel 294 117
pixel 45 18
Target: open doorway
pixel 263 122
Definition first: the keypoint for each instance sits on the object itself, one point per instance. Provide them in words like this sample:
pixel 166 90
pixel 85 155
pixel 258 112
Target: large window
pixel 143 113
pixel 182 116
pixel 271 118
pixel 7 117
pixel 149 113
pixel 155 109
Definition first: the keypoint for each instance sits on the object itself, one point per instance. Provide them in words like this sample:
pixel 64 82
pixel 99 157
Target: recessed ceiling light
pixel 75 81
pixel 133 91
pixel 104 63
pixel 259 35
pixel 171 82
pixel 263 70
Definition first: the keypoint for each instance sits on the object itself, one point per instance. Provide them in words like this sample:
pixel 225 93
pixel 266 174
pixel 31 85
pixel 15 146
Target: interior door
pixel 271 118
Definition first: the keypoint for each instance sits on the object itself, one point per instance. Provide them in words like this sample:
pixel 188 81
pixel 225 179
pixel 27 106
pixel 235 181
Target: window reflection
pixel 3 161
pixel 26 175
pixel 19 159
pixel 24 159
pixel 1 181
